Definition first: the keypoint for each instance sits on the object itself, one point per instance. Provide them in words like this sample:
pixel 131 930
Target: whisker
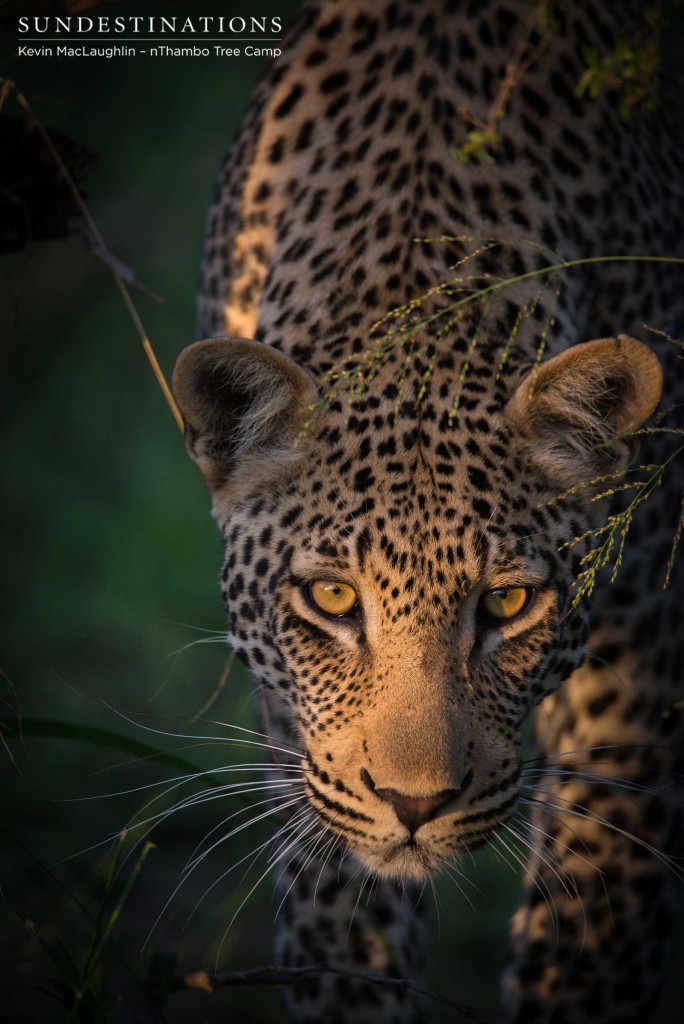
pixel 198 853
pixel 329 850
pixel 131 824
pixel 240 728
pixel 435 898
pixel 291 823
pixel 194 643
pixel 589 863
pixel 539 882
pixel 180 779
pixel 193 863
pixel 151 757
pixel 296 819
pixel 453 874
pixel 373 890
pixel 550 861
pixel 315 840
pixel 300 846
pixel 258 882
pixel 237 789
pixel 187 874
pixel 364 881
pixel 154 820
pixel 197 629
pixel 500 856
pixel 579 811
pixel 554 839
pixel 590 750
pixel 278 787
pixel 569 775
pixel 209 721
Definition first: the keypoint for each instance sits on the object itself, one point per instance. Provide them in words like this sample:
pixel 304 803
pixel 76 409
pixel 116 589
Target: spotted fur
pixel 455 464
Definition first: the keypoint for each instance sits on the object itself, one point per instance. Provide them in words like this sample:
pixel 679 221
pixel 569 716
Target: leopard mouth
pixel 424 853
pixel 418 860
pixel 393 836
pixel 433 857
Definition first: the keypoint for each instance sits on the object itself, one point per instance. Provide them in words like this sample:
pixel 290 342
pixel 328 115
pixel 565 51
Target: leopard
pixel 422 401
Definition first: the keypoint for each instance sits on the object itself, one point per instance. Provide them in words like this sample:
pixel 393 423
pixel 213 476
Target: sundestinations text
pixel 137 24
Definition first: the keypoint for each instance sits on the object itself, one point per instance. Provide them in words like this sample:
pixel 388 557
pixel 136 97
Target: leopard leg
pixel 327 917
pixel 605 821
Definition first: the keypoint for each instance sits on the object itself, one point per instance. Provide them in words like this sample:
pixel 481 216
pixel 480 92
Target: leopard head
pixel 399 574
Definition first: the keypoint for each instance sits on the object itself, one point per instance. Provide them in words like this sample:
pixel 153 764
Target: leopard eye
pixel 333 597
pixel 505 602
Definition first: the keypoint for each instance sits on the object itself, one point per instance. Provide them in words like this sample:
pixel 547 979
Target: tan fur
pixel 581 404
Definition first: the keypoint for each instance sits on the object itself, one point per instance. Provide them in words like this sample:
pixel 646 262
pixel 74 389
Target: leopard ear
pixel 578 410
pixel 243 406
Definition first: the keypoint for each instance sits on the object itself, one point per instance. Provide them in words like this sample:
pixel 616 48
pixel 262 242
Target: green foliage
pixel 82 980
pixel 102 738
pixel 465 294
pixel 609 539
pixel 630 70
pixel 480 142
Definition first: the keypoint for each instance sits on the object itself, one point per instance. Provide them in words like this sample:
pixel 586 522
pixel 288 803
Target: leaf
pixel 58 953
pixel 584 82
pixel 592 58
pixel 477 147
pixel 54 729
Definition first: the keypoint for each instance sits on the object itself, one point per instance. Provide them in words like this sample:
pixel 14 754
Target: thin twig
pixel 218 690
pixel 524 57
pixel 273 975
pixel 518 66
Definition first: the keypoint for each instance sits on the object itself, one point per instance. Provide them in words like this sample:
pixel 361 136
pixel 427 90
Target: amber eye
pixel 505 602
pixel 332 597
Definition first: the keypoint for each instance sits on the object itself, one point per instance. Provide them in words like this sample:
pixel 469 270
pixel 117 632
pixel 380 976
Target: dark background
pixel 109 572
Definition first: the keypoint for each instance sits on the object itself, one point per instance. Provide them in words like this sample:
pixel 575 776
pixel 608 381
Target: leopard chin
pixel 418 858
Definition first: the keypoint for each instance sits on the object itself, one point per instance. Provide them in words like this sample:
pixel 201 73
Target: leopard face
pixel 400 579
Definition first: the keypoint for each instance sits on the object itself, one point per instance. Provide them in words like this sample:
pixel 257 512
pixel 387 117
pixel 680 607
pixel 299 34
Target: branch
pixel 273 975
pixel 525 56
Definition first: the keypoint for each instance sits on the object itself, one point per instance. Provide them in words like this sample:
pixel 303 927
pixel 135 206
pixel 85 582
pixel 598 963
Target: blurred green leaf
pixel 100 738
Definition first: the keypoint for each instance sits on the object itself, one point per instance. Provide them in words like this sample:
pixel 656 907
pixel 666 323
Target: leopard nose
pixel 412 811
